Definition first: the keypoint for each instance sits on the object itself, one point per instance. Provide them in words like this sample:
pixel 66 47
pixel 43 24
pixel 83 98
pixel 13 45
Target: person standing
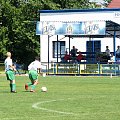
pixel 118 52
pixel 33 68
pixel 73 52
pixel 10 72
pixel 107 52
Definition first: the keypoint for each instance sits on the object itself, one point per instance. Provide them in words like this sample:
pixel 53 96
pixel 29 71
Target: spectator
pixel 66 57
pixel 112 58
pixel 73 52
pixel 118 52
pixel 79 57
pixel 107 52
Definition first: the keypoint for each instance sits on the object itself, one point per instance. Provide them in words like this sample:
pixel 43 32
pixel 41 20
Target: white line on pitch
pixel 50 110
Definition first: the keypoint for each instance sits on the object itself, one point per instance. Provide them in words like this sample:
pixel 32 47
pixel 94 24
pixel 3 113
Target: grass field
pixel 67 98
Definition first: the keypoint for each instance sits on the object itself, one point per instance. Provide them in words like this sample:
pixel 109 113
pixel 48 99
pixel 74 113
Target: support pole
pixel 57 48
pixel 48 52
pixel 69 44
pixel 114 43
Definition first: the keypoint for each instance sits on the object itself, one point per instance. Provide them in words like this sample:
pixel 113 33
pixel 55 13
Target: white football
pixel 43 89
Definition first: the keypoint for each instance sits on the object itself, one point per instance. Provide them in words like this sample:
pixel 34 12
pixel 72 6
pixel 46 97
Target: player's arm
pixel 13 67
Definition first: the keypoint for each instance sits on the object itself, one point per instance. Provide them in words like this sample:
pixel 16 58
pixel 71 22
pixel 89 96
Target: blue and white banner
pixel 71 28
pixel 94 27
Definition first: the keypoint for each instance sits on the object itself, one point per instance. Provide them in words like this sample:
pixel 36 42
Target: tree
pixel 106 2
pixel 17 32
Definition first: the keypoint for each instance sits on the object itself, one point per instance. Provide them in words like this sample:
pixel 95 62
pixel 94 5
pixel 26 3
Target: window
pixel 61 49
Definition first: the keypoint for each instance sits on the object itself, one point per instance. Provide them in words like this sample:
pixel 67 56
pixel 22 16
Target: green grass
pixel 67 98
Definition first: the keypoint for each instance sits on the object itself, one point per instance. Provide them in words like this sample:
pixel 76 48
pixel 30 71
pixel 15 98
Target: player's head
pixel 8 54
pixel 37 58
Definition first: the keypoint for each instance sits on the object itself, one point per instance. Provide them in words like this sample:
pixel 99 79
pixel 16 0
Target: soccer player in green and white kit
pixel 9 70
pixel 33 68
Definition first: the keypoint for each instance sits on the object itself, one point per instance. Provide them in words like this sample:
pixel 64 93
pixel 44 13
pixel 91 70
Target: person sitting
pixel 79 57
pixel 112 59
pixel 66 57
pixel 118 52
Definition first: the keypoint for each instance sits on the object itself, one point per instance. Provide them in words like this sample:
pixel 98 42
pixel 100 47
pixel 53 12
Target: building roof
pixel 79 10
pixel 114 4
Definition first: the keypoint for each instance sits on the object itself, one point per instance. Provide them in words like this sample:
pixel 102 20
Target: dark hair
pixel 37 58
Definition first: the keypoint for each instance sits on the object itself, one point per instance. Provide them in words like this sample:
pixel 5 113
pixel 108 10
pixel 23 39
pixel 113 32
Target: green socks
pixel 32 87
pixel 12 87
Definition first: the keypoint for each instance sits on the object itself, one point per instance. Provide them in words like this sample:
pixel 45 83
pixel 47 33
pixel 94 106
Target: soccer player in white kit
pixel 10 72
pixel 33 69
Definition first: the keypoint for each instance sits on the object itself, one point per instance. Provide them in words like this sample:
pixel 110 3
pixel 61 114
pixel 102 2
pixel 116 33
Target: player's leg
pixel 13 85
pixel 34 80
pixel 7 75
pixel 29 83
pixel 11 77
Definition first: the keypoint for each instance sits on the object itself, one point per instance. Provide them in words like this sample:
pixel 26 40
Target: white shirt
pixel 8 63
pixel 34 65
pixel 112 59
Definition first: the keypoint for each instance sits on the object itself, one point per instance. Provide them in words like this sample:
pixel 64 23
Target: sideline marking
pixel 50 110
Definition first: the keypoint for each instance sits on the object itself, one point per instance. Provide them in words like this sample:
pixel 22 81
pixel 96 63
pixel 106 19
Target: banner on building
pixel 71 28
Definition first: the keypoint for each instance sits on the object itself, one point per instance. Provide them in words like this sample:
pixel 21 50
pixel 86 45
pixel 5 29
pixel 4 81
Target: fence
pixel 82 69
pixel 77 69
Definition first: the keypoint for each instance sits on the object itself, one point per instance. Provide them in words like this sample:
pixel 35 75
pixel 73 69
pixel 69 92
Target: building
pixel 54 45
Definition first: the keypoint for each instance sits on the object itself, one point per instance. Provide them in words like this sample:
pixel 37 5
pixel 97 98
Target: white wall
pixel 79 43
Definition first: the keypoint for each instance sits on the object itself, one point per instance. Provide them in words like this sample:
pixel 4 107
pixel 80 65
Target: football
pixel 43 89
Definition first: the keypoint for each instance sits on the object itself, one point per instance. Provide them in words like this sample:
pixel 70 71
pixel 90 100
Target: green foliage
pixel 17 35
pixel 72 4
pixel 107 2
